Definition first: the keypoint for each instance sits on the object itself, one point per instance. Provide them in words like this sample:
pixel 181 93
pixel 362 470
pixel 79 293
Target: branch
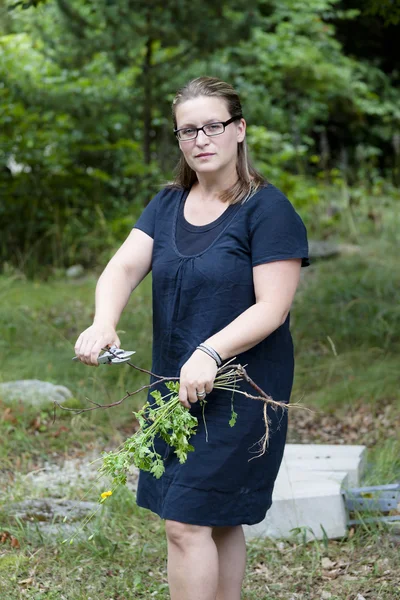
pixel 227 374
pixel 77 411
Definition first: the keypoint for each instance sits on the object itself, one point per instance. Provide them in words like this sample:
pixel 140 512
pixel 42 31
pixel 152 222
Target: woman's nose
pixel 201 138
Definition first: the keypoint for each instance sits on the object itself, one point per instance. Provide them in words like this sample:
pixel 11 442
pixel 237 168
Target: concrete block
pixel 304 498
pixel 328 457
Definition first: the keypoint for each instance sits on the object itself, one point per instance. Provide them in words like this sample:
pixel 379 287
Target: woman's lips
pixel 204 155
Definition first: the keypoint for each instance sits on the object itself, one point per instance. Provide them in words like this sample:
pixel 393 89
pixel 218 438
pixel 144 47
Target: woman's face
pixel 207 154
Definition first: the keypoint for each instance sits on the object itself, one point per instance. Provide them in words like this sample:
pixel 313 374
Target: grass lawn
pixel 345 323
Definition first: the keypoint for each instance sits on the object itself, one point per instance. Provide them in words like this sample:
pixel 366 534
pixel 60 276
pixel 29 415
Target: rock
pixel 75 271
pixel 395 540
pixel 53 517
pixel 325 249
pixel 326 595
pixel 326 563
pixel 322 249
pixel 51 510
pixel 33 392
pixel 349 249
pixel 57 479
pixel 395 525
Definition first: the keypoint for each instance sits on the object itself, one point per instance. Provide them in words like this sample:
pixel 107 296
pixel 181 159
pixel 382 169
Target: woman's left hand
pixel 197 376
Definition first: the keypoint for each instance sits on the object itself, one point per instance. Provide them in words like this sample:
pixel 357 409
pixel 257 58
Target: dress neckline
pixel 183 195
pixel 207 226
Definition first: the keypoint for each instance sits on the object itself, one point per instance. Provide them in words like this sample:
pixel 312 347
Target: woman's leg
pixel 192 562
pixel 231 546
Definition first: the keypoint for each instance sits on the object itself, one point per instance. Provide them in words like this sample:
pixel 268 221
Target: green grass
pixel 346 329
pixel 40 323
pixel 126 558
pixel 346 324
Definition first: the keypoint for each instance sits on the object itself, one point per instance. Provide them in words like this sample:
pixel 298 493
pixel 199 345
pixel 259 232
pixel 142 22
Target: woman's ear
pixel 241 130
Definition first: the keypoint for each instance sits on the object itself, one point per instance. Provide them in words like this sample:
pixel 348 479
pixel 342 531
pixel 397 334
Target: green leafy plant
pixel 168 419
pixel 171 421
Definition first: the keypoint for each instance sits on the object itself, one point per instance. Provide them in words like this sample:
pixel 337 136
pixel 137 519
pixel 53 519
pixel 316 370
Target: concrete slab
pixel 308 491
pixel 328 457
pixel 307 499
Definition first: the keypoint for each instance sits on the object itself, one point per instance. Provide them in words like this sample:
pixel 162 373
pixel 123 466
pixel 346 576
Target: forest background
pixel 85 142
pixel 85 125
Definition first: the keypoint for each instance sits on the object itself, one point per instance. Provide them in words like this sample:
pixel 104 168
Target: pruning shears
pixel 113 356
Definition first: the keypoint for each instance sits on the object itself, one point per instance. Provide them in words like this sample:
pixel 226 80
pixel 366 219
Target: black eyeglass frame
pixel 224 123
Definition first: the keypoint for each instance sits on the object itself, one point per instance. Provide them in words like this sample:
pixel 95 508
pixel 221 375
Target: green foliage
pixel 233 418
pixel 388 9
pixel 85 127
pixel 306 98
pixel 169 420
pixel 66 185
pixel 165 419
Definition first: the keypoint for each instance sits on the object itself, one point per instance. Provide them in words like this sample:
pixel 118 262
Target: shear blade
pixel 123 357
pixel 117 355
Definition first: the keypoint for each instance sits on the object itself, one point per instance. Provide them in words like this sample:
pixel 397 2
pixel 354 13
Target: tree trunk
pixel 147 108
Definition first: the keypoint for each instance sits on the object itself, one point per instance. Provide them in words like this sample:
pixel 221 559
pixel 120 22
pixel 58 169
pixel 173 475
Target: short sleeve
pixel 277 233
pixel 147 220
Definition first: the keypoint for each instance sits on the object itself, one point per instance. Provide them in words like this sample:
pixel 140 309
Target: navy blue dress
pixel 194 296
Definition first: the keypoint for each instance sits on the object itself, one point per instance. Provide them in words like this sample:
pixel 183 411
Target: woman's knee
pixel 184 534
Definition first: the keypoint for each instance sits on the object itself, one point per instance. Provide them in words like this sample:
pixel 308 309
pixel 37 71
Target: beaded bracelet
pixel 211 352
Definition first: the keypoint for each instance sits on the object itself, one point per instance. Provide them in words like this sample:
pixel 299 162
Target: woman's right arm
pixel 127 268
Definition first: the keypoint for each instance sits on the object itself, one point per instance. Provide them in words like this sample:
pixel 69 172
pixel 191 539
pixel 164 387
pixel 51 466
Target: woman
pixel 225 249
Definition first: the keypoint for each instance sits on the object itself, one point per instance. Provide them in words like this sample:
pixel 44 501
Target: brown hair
pixel 249 180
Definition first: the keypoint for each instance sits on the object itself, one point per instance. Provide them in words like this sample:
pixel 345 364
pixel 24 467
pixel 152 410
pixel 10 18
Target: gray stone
pixel 395 525
pixel 57 479
pixel 349 249
pixel 326 249
pixel 33 392
pixel 75 271
pixel 322 249
pixel 395 539
pixel 57 532
pixel 51 510
pixel 55 518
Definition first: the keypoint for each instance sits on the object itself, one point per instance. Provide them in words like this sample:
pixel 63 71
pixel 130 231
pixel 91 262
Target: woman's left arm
pixel 275 285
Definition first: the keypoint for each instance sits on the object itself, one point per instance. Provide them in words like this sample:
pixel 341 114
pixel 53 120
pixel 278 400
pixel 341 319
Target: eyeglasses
pixel 190 133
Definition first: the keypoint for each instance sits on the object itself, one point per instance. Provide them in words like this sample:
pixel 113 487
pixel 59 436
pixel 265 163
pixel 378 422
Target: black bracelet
pixel 211 352
pixel 219 359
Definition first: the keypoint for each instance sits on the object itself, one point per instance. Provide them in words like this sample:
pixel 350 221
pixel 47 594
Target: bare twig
pixel 229 372
pixel 77 411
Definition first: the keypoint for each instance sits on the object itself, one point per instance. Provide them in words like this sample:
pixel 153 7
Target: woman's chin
pixel 207 168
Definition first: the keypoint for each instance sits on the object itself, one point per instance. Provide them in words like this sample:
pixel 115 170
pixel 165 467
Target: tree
pixel 84 90
pixel 85 125
pixel 388 9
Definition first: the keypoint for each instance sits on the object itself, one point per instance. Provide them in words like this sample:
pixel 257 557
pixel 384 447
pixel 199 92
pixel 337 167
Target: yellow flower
pixel 106 494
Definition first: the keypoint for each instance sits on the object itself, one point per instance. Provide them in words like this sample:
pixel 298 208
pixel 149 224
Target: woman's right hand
pixel 89 344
